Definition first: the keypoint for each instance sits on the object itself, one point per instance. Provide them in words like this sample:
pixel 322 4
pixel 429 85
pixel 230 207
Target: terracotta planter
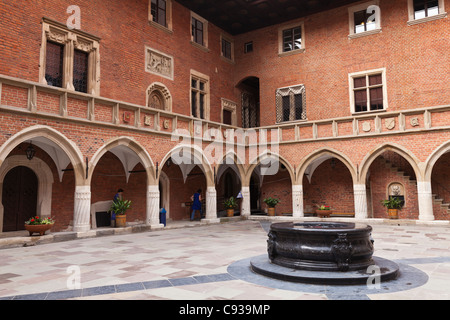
pixel 271 212
pixel 324 213
pixel 393 213
pixel 38 228
pixel 121 221
pixel 230 212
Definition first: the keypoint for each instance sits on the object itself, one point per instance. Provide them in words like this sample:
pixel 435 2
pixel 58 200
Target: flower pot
pixel 121 221
pixel 38 228
pixel 271 212
pixel 230 212
pixel 393 213
pixel 324 213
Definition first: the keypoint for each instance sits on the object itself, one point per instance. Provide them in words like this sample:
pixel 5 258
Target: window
pixel 80 70
pixel 368 91
pixel 54 64
pixel 425 8
pixel 226 49
pixel 248 47
pixel 199 31
pixel 364 19
pixel 158 12
pixel 291 103
pixel 159 97
pixel 69 58
pixel 199 95
pixel 363 22
pixel 420 11
pixel 291 39
pixel 229 112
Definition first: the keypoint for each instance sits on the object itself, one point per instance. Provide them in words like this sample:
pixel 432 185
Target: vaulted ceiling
pixel 240 16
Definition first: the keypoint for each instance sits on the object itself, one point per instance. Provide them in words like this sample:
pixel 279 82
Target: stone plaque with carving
pixel 147 120
pixel 389 123
pixel 158 63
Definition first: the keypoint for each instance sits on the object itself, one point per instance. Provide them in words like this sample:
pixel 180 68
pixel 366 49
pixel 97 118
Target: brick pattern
pixel 414 58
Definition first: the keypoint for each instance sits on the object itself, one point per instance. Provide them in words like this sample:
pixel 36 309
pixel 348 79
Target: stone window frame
pixel 161 90
pixel 290 91
pixel 169 27
pixel 203 46
pixel 230 106
pixel 71 39
pixel 367 73
pixel 195 75
pixel 300 24
pixel 231 41
pixel 411 14
pixel 360 7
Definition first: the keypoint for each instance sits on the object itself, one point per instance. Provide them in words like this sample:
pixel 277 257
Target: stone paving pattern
pixel 193 263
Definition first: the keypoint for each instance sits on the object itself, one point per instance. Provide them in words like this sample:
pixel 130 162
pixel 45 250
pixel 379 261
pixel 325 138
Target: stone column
pixel 360 197
pixel 297 201
pixel 245 205
pixel 82 209
pixel 211 206
pixel 152 213
pixel 425 200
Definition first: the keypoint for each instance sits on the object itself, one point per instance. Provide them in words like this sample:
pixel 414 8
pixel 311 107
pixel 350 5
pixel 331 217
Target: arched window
pixel 159 97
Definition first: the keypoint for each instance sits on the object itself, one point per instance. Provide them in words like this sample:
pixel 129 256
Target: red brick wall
pixel 124 31
pixel 414 57
pixel 278 186
pixel 330 186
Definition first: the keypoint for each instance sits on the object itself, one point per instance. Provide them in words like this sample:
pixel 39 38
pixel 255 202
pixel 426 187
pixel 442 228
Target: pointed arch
pixel 236 165
pixel 158 97
pixel 62 150
pixel 130 153
pixel 190 155
pixel 321 155
pixel 402 151
pixel 433 158
pixel 265 156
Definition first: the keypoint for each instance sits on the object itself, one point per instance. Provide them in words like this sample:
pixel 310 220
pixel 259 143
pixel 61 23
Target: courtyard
pixel 198 262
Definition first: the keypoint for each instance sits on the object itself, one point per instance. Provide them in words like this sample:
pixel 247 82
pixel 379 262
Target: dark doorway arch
pixel 20 190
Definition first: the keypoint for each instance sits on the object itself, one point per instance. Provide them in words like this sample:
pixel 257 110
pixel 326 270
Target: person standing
pixel 118 195
pixel 197 203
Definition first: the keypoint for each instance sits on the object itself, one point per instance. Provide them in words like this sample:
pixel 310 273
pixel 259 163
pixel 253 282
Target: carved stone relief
pixel 158 63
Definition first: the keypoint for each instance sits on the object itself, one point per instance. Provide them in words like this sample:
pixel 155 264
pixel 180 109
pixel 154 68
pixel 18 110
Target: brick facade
pixel 114 140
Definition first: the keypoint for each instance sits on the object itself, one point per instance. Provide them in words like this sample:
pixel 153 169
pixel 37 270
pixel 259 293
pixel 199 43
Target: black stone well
pixel 323 252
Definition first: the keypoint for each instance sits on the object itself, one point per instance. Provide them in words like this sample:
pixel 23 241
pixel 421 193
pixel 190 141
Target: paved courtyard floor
pixel 211 262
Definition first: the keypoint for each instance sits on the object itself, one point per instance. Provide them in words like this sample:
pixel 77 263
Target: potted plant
pixel 393 204
pixel 119 207
pixel 230 204
pixel 39 225
pixel 323 211
pixel 271 203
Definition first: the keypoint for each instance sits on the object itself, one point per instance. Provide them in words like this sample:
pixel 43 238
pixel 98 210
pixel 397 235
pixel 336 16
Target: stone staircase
pixel 439 201
pixel 436 198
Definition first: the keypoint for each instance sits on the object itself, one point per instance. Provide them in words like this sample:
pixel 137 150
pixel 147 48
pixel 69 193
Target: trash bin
pixel 162 216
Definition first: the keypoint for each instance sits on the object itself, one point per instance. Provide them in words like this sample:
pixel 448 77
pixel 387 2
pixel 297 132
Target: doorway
pixel 19 197
pixel 250 102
